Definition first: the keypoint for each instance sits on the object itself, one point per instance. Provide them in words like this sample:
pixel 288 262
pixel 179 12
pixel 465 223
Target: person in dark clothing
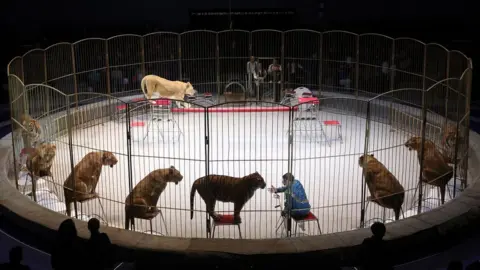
pixel 66 252
pixel 99 247
pixel 375 252
pixel 16 256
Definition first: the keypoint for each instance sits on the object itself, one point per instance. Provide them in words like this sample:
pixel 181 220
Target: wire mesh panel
pixel 409 67
pixel 267 50
pixel 86 142
pixel 199 66
pixel 234 47
pixel 375 55
pixel 436 64
pixel 18 107
pixel 39 132
pixel 437 175
pixel 326 146
pixel 60 67
pixel 125 63
pixel 34 66
pixel 458 64
pixel 91 66
pixel 165 137
pixel 161 56
pixel 302 59
pixel 244 140
pixel 390 171
pixel 339 57
pixel 15 67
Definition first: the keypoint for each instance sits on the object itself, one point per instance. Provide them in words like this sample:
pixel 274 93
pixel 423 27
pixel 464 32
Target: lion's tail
pixel 143 84
pixel 192 198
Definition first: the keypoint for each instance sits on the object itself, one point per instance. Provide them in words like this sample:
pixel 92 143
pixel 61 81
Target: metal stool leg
pixel 339 130
pixel 318 224
pixel 213 230
pixel 103 210
pixel 164 222
pixel 151 227
pixel 296 225
pixel 239 231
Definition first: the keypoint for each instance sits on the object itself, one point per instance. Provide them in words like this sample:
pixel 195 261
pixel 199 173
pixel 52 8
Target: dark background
pixel 28 24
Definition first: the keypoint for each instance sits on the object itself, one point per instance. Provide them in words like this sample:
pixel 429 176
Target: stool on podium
pixel 225 220
pixel 308 108
pixel 162 121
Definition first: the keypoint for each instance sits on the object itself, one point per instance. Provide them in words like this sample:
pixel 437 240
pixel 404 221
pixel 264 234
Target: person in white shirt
pixel 252 67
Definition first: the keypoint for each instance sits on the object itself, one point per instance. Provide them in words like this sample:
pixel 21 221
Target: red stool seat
pixel 331 123
pixel 225 220
pixel 137 124
pixel 122 107
pixel 161 102
pixel 310 217
pixel 207 95
pixel 312 100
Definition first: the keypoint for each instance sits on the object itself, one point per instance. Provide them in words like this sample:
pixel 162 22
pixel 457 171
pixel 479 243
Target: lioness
pixel 142 201
pixel 385 189
pixel 87 173
pixel 39 161
pixel 436 170
pixel 166 88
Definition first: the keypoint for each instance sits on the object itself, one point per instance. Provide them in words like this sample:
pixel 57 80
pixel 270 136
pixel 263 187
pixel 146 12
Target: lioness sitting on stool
pixel 436 170
pixel 166 88
pixel 40 160
pixel 87 173
pixel 385 190
pixel 142 201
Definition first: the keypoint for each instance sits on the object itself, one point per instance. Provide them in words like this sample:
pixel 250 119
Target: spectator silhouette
pixel 99 247
pixel 67 253
pixel 455 265
pixel 15 256
pixel 375 251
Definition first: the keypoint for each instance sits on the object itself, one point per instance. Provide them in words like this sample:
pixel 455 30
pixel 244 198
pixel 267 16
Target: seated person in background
pixel 295 198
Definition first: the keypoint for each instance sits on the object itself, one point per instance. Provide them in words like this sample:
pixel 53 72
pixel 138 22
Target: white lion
pixel 167 89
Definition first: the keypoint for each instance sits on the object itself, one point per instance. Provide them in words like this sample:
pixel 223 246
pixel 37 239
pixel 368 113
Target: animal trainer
pixel 167 89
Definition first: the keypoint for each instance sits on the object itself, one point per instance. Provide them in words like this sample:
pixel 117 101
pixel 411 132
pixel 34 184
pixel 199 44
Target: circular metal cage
pixel 305 102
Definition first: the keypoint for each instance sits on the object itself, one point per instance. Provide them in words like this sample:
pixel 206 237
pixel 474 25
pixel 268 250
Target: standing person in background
pixel 252 68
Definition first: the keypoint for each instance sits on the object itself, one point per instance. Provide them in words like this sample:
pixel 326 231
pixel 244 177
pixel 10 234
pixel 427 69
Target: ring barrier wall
pixel 374 93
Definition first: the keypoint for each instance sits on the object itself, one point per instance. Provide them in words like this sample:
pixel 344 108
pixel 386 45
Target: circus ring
pixel 238 138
